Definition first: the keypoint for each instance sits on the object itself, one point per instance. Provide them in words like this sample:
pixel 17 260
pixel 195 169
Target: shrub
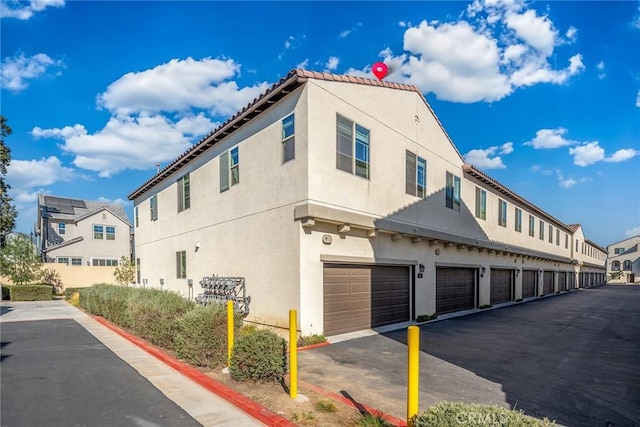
pixel 6 293
pixel 68 292
pixel 51 277
pixel 311 340
pixel 454 414
pixel 201 337
pixel 369 420
pixel 125 272
pixel 31 293
pixel 326 405
pixel 258 356
pixel 19 260
pixel 426 317
pixel 108 301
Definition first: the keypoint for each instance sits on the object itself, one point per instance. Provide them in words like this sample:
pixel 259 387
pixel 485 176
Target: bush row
pixel 455 414
pixel 30 293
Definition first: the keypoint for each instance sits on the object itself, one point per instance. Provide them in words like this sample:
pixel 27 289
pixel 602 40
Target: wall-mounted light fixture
pixel 144 282
pixel 482 271
pixel 190 283
pixel 517 272
pixel 197 245
pixel 421 268
pixel 161 283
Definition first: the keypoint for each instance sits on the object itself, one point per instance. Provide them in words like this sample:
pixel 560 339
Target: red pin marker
pixel 380 70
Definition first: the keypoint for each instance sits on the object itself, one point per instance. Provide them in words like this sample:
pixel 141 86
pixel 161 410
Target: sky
pixel 543 96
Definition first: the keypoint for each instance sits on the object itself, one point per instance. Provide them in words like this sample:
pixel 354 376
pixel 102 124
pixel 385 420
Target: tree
pixel 8 212
pixel 19 261
pixel 125 272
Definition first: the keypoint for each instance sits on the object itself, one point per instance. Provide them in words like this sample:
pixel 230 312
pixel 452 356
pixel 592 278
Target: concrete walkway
pixel 204 406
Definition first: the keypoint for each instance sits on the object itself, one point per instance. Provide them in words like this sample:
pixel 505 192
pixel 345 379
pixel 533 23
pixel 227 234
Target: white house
pixel 345 199
pixel 624 260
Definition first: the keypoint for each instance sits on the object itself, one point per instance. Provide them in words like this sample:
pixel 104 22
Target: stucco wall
pixel 78 276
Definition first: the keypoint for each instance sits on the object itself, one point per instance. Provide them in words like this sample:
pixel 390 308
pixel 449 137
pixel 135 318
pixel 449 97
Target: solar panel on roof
pixel 63 205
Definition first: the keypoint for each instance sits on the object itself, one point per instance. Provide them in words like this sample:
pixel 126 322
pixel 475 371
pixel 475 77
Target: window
pixel 288 139
pixel 229 165
pixel 481 203
pixel 153 207
pixel 502 213
pixel 453 192
pixel 519 220
pixel 62 228
pixel 532 226
pixel 550 233
pixel 184 193
pixel 138 270
pixel 111 232
pixel 615 265
pixel 96 262
pixel 351 137
pixel 76 261
pixel 63 260
pixel 541 230
pixel 626 265
pixel 416 175
pixel 576 248
pixel 557 237
pixel 566 241
pixel 619 251
pixel 181 265
pixel 136 215
pixel 98 232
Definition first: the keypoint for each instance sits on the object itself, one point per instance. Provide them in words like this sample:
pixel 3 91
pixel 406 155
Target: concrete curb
pixel 312 346
pixel 252 408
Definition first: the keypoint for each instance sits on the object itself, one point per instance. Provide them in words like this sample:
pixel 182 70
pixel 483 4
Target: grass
pixel 311 340
pixel 326 405
pixel 369 420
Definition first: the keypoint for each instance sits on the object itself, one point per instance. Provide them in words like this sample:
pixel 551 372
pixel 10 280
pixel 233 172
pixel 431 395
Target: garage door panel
pixel 501 286
pixel 455 289
pixel 369 296
pixel 529 283
pixel 547 283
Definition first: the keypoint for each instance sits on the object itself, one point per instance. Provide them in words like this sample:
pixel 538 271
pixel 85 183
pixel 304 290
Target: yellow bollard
pixel 293 354
pixel 413 379
pixel 229 331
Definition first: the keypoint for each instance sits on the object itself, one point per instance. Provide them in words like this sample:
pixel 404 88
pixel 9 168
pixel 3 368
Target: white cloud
pixel 346 33
pixel 622 155
pixel 304 64
pixel 332 63
pixel 571 33
pixel 638 99
pixel 119 201
pixel 27 174
pixel 498 47
pixel 180 85
pixel 541 170
pixel 550 138
pixel 14 9
pixel 483 160
pixel 632 232
pixel 565 182
pixel 601 74
pixel 636 20
pixel 587 154
pixel 18 69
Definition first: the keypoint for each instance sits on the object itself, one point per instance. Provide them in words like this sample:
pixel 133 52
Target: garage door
pixel 363 297
pixel 455 289
pixel 547 285
pixel 562 281
pixel 572 280
pixel 501 286
pixel 529 283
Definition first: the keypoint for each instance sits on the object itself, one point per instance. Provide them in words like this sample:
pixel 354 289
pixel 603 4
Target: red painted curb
pixel 252 408
pixel 359 406
pixel 309 347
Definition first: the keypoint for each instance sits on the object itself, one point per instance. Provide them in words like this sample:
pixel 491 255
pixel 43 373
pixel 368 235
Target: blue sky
pixel 543 96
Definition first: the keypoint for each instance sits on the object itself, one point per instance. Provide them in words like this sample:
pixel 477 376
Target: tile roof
pixel 294 79
pixel 79 211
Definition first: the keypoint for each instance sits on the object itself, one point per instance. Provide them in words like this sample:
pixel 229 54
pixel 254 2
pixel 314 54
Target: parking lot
pixel 573 358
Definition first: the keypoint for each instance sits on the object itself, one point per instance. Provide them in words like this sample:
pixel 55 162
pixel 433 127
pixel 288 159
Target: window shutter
pixel 180 195
pixel 411 174
pixel 224 171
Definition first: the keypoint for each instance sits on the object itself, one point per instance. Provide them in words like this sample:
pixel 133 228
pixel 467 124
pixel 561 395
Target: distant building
pixel 344 198
pixel 82 232
pixel 623 262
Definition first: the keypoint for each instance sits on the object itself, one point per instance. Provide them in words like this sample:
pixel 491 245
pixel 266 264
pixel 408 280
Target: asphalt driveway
pixel 574 358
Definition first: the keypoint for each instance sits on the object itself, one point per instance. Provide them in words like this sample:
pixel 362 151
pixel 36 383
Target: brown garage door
pixel 547 284
pixel 455 289
pixel 529 283
pixel 562 281
pixel 362 297
pixel 572 280
pixel 501 286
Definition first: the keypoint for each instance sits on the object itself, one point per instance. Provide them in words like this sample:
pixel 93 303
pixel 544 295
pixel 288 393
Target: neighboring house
pixel 623 262
pixel 82 232
pixel 344 198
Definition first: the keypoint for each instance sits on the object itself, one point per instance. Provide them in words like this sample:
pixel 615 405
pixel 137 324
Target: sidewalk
pixel 204 406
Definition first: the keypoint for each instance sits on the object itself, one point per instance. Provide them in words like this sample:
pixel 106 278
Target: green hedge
pixel 201 337
pixel 456 414
pixel 31 293
pixel 68 292
pixel 6 295
pixel 258 356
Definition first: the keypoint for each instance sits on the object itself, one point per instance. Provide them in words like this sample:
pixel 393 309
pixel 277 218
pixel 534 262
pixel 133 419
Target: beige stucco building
pixel 623 261
pixel 344 198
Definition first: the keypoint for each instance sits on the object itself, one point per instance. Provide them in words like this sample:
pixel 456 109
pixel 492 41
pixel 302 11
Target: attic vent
pixel 104 215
